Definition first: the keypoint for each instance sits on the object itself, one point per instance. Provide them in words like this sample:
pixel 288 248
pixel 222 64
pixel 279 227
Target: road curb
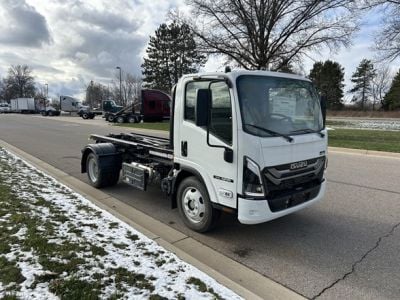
pixel 364 152
pixel 239 278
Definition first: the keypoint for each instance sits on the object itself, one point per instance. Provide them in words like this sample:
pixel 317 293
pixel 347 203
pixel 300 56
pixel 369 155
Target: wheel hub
pixel 93 170
pixel 193 205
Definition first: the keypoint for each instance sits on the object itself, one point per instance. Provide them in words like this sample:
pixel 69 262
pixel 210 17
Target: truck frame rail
pixel 155 147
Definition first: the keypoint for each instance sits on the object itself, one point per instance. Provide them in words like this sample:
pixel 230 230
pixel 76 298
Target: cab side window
pixel 221 112
pixel 190 98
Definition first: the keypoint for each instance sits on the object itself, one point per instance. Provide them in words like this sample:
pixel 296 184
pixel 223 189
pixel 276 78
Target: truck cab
pixel 70 104
pixel 111 106
pixel 256 139
pixel 252 143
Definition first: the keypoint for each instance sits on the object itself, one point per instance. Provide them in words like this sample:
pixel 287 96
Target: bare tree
pixel 260 34
pixel 381 85
pixel 2 90
pixel 131 86
pixel 19 82
pixel 387 41
pixel 96 93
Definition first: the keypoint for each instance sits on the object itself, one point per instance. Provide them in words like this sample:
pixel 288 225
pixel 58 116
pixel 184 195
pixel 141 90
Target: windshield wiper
pixel 308 130
pixel 286 137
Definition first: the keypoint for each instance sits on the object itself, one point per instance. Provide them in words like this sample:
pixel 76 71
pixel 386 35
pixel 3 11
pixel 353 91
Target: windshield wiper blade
pixel 286 137
pixel 308 130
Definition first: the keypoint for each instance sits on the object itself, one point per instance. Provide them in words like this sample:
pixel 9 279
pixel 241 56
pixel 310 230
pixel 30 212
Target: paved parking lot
pixel 345 247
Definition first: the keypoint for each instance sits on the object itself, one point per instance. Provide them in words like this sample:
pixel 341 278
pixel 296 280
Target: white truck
pixel 23 105
pixel 71 104
pixel 252 143
pixel 4 108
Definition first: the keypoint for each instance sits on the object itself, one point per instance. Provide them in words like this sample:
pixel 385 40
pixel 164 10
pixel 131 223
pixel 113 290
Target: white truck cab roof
pixel 236 73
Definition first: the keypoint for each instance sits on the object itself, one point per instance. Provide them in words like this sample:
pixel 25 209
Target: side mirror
pixel 323 108
pixel 203 107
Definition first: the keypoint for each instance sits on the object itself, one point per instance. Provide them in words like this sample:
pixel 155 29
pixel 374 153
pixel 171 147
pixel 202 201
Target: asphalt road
pixel 345 247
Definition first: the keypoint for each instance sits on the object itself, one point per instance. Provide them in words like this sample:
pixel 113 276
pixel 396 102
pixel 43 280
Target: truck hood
pixel 277 151
pixel 83 107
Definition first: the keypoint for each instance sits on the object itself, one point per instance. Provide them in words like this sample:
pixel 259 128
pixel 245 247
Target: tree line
pixel 272 35
pixel 372 88
pixel 277 35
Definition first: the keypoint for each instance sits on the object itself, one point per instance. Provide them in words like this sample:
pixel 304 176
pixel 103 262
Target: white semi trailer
pixel 252 143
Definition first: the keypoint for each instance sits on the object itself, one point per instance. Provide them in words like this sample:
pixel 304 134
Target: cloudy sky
pixel 70 42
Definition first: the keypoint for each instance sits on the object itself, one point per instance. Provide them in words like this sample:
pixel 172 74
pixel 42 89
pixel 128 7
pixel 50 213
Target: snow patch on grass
pixel 56 242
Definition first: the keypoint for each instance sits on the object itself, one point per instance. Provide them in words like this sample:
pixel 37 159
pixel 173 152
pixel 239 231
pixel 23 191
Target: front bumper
pixel 258 211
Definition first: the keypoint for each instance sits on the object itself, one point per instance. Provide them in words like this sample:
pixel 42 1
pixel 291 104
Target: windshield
pixel 283 105
pixel 112 103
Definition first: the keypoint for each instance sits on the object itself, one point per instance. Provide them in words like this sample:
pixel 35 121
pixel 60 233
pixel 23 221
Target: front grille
pixel 288 187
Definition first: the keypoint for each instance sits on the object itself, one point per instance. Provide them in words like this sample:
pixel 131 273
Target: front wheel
pixel 85 116
pixel 195 207
pixel 98 176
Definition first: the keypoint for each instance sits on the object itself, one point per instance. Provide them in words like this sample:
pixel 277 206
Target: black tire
pixel 110 118
pixel 102 178
pixel 51 113
pixel 120 119
pixel 92 116
pixel 85 116
pixel 210 216
pixel 132 119
pixel 43 113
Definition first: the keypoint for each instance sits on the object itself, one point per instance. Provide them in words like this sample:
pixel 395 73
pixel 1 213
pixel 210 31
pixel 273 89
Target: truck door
pixel 219 175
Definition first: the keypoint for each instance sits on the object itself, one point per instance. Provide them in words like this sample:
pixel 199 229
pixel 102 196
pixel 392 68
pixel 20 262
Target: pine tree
pixel 392 98
pixel 362 79
pixel 328 78
pixel 171 53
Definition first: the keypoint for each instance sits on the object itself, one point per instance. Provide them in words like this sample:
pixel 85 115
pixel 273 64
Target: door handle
pixel 184 148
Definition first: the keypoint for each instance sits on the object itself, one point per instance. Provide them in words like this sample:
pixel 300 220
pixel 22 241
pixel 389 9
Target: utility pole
pixel 91 95
pixel 120 84
pixel 47 95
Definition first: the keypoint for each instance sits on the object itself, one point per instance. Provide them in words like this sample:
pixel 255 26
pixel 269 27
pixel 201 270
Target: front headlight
pixel 252 183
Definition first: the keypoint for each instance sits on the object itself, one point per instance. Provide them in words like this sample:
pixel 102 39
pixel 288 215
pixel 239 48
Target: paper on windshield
pixel 284 106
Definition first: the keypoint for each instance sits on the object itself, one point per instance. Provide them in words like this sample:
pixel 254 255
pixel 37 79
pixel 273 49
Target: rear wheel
pixel 98 176
pixel 132 119
pixel 195 207
pixel 120 119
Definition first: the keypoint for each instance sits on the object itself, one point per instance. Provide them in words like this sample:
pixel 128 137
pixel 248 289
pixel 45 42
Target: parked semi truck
pixel 252 143
pixel 70 104
pixel 152 105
